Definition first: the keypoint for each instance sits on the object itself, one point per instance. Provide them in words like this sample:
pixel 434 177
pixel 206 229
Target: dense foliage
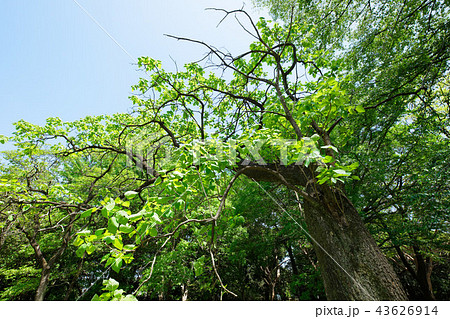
pixel 272 175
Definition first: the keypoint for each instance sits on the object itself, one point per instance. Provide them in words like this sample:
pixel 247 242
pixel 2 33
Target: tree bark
pixel 292 259
pixel 352 265
pixel 422 271
pixel 185 291
pixel 75 278
pixel 45 272
pixel 46 265
pixel 43 283
pixel 424 267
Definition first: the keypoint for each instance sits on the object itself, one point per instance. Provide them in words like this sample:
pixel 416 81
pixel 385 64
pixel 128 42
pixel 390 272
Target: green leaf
pixel 126 228
pixel 88 213
pixel 117 264
pixel 109 239
pixel 131 194
pixel 341 172
pixel 156 218
pixel 99 232
pixel 105 213
pixel 111 284
pixel 109 261
pixel 129 298
pixel 78 241
pixel 95 298
pixel 179 204
pixel 198 265
pixel 90 249
pixel 360 109
pixel 105 258
pixel 118 243
pixel 3 139
pixel 136 217
pixel 129 247
pixel 177 174
pixel 332 147
pixel 158 181
pixel 352 166
pixel 80 251
pixel 118 295
pixel 308 161
pixel 85 232
pixel 153 232
pixel 110 205
pixel 328 159
pixel 122 217
pixel 142 228
pixel 113 225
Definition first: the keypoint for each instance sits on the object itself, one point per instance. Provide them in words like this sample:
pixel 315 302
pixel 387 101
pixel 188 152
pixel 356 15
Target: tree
pixel 24 189
pixel 413 173
pixel 42 195
pixel 159 178
pixel 397 57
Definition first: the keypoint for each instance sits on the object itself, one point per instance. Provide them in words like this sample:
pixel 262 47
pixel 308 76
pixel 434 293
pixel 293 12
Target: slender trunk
pixel 43 283
pixel 292 259
pixel 271 278
pixel 46 267
pixel 74 280
pixel 351 263
pixel 161 296
pixel 185 291
pixel 294 267
pixel 46 264
pixel 423 274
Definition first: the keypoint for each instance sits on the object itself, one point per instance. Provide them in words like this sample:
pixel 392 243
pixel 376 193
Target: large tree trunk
pixel 351 263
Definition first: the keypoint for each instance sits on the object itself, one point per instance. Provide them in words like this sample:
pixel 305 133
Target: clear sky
pixel 55 61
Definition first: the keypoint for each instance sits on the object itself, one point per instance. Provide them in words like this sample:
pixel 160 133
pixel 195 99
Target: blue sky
pixel 55 61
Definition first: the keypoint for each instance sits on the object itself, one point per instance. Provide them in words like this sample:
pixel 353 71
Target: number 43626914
pixel 403 310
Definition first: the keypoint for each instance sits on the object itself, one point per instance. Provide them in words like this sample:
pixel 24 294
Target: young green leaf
pixel 118 243
pixel 110 205
pixel 131 194
pixel 88 213
pixel 113 225
pixel 117 264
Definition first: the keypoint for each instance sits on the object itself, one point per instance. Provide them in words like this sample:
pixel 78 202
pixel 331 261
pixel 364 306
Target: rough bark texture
pixel 351 263
pixel 344 238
